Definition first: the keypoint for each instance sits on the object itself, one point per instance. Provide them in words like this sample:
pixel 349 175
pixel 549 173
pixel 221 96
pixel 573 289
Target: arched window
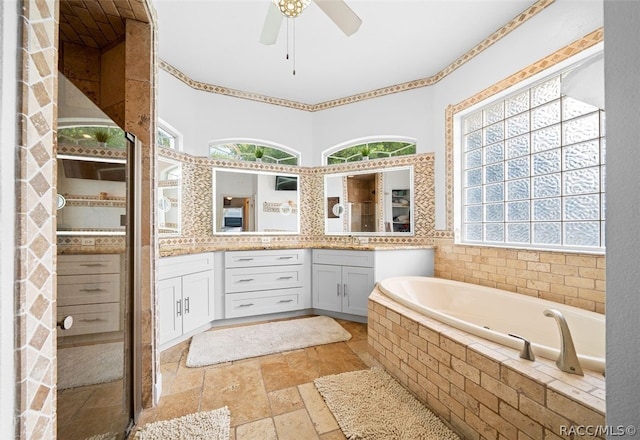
pixel 257 152
pixel 373 149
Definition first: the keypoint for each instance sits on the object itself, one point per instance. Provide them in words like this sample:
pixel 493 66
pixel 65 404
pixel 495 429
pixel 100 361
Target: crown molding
pixel 402 87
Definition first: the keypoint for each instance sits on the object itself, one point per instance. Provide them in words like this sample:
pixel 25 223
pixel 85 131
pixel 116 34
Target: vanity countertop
pixel 172 251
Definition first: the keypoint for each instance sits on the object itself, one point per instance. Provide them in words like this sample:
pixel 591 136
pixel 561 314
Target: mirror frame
pixel 283 209
pixel 412 232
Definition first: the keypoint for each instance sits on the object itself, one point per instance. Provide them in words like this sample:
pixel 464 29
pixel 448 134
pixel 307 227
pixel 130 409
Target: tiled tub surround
pixel 568 278
pixel 483 390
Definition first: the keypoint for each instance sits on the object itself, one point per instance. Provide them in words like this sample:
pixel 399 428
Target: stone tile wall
pixel 573 279
pixel 481 389
pixel 36 223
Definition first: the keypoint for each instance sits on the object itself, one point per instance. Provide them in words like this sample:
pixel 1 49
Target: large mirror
pixel 372 202
pixel 169 197
pixel 91 195
pixel 248 202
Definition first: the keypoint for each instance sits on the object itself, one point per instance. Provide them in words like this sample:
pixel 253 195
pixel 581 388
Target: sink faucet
pixel 568 359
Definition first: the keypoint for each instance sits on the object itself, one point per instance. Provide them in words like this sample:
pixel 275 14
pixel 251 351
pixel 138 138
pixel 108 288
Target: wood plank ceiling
pixel 98 23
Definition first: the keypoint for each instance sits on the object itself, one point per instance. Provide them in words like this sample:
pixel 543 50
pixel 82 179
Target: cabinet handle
pixel 186 305
pixel 92 264
pixel 338 289
pixel 285 301
pixel 245 280
pixel 285 278
pixel 246 305
pixel 245 259
pixel 344 290
pixel 92 290
pixel 179 307
pixel 92 320
pixel 285 258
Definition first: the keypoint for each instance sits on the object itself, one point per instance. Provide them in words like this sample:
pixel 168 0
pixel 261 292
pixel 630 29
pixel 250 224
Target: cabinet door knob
pixel 65 323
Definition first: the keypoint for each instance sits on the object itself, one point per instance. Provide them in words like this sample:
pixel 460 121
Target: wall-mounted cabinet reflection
pixel 376 202
pixel 255 202
pixel 91 195
pixel 169 197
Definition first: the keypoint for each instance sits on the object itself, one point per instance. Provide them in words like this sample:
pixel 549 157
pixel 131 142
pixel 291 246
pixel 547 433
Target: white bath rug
pixel 208 425
pixel 90 364
pixel 231 344
pixel 371 405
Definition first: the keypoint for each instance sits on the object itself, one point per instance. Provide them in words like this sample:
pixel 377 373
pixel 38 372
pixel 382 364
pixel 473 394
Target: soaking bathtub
pixel 493 314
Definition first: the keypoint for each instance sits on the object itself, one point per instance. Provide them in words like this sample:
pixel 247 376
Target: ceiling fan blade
pixel 272 24
pixel 341 14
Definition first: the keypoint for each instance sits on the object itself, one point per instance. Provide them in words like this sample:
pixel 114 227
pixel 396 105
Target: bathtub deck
pixel 477 386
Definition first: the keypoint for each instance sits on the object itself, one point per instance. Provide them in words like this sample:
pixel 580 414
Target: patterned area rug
pixel 231 344
pixel 209 425
pixel 371 405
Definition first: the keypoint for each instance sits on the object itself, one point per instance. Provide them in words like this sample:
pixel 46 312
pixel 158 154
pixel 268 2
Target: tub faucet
pixel 568 359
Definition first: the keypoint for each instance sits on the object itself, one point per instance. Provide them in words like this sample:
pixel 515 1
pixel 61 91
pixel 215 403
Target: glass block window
pixel 369 150
pixel 253 152
pixel 533 171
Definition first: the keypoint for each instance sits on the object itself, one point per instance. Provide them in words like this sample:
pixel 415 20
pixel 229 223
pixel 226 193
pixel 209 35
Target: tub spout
pixel 568 359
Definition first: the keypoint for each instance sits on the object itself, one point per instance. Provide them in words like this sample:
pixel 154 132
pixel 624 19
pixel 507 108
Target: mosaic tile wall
pixel 573 279
pixel 36 224
pixel 409 85
pixel 197 234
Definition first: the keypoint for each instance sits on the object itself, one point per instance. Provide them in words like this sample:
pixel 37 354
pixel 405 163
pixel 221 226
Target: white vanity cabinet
pixel 342 280
pixel 185 294
pixel 260 282
pixel 89 290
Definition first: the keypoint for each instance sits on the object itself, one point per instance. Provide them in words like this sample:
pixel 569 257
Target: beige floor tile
pixel 333 435
pixel 241 388
pixel 175 353
pixel 295 425
pixel 186 379
pixel 321 416
pixel 358 330
pixel 106 395
pixel 334 359
pixel 288 370
pixel 263 429
pixel 178 404
pixel 285 400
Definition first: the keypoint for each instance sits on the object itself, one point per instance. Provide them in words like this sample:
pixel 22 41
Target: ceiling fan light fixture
pixel 291 8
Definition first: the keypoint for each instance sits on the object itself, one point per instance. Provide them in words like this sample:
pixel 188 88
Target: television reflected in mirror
pixel 254 202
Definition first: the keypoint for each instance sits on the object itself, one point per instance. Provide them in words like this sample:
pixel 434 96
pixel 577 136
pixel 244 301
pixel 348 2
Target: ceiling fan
pixel 336 10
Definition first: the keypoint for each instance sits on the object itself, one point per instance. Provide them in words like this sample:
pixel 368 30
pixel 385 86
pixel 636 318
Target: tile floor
pixel 270 397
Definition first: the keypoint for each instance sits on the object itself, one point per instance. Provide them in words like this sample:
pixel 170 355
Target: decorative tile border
pixel 409 85
pixel 197 234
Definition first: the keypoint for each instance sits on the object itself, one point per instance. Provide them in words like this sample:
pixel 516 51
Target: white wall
pixel 202 117
pixel 8 124
pixel 622 95
pixel 274 221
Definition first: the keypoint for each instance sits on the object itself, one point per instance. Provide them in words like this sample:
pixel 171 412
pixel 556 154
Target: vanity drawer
pixel 88 264
pixel 263 258
pixel 342 257
pixel 94 318
pixel 263 278
pixel 88 289
pixel 169 267
pixel 273 301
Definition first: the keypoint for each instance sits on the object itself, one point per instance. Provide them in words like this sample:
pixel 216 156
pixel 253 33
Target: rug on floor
pixel 90 364
pixel 206 425
pixel 371 405
pixel 231 344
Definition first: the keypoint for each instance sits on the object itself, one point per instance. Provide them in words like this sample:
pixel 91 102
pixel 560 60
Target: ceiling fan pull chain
pixel 294 47
pixel 288 20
